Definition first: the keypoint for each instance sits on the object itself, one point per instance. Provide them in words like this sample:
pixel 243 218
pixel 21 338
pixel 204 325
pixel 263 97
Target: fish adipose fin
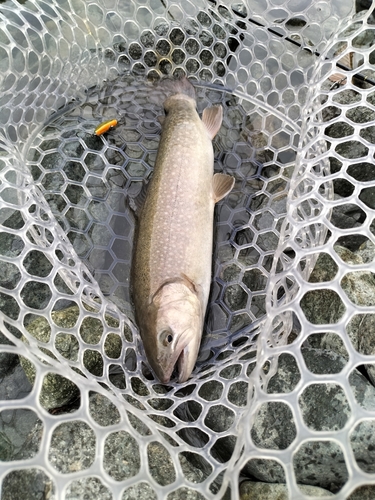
pixel 222 184
pixel 212 118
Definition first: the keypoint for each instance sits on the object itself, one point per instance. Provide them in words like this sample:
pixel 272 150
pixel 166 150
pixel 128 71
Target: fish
pixel 172 261
pixel 103 127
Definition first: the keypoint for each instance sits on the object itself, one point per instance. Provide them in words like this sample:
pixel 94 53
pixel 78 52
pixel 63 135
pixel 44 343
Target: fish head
pixel 179 101
pixel 174 330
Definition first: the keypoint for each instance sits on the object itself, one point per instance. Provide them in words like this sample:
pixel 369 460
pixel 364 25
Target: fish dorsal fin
pixel 212 118
pixel 222 184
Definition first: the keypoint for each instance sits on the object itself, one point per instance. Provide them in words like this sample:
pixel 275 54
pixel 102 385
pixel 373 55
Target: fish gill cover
pixel 282 400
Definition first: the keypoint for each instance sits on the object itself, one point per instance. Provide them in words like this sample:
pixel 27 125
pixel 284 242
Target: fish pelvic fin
pixel 222 184
pixel 137 201
pixel 212 118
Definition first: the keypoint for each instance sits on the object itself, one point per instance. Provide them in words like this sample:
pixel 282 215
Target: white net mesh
pixel 283 388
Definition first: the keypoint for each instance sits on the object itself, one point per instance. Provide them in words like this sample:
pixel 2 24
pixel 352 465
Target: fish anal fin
pixel 222 184
pixel 212 118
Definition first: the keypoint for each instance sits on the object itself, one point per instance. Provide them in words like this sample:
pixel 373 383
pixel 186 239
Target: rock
pixel 361 331
pixel 33 483
pixel 322 306
pixel 20 434
pixel 318 463
pixel 366 492
pixel 72 447
pixel 121 458
pixel 13 384
pixel 251 490
pixel 359 286
pixel 88 487
pixel 102 410
pixel 185 494
pixel 58 391
pixel 160 464
pixel 141 491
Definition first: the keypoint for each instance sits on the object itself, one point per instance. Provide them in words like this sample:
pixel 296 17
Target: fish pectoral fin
pixel 161 119
pixel 212 118
pixel 222 184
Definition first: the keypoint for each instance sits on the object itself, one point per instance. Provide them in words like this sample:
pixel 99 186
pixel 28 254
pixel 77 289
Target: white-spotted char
pixel 173 253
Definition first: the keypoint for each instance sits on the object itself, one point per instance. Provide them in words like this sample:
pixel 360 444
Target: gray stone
pixel 274 426
pixel 20 434
pixel 121 458
pixel 361 330
pixel 88 487
pixel 325 269
pixel 33 483
pixel 103 411
pixel 14 384
pixel 359 286
pixel 366 251
pixel 185 494
pixel 251 490
pixel 360 289
pixel 160 464
pixel 366 492
pixel 324 407
pixel 141 491
pixel 72 447
pixel 322 306
pixel 58 391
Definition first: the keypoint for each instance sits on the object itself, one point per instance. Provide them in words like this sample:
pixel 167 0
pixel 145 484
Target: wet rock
pixel 73 448
pixel 250 490
pixel 58 391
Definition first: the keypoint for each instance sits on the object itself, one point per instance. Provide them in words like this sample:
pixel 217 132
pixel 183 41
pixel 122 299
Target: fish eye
pixel 166 337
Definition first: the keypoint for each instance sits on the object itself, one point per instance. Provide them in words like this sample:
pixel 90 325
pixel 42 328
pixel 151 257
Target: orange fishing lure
pixel 105 126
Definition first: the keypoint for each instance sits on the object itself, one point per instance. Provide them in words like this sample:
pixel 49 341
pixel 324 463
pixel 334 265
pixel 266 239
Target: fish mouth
pixel 184 365
pixel 180 368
